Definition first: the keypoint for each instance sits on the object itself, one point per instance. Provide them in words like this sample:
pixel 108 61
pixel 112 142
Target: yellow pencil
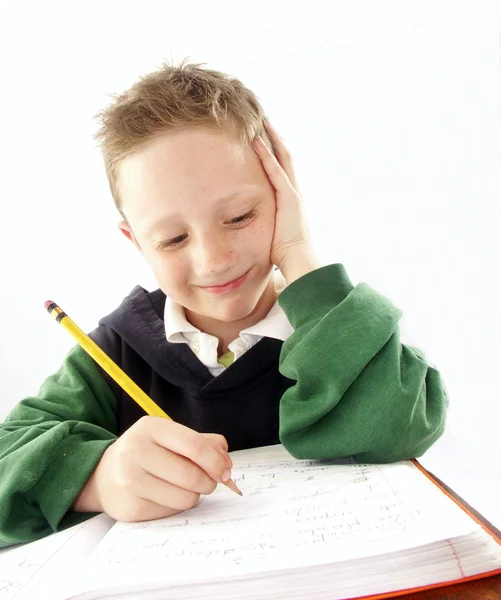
pixel 113 370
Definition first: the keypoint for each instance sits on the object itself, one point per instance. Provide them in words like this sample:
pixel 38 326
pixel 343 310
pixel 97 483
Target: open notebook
pixel 335 529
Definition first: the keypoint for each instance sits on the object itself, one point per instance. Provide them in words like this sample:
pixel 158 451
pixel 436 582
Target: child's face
pixel 173 196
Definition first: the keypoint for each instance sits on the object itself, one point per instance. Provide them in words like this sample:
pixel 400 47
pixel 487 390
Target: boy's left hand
pixel 291 250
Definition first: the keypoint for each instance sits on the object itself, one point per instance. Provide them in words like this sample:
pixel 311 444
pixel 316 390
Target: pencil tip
pixel 231 484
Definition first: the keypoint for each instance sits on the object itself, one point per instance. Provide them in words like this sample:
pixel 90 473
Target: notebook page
pixel 293 513
pixel 29 571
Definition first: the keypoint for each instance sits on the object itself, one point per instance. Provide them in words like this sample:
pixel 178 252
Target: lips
pixel 226 287
pixel 217 285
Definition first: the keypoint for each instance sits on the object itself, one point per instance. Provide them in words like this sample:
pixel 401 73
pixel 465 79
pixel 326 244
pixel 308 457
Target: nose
pixel 213 257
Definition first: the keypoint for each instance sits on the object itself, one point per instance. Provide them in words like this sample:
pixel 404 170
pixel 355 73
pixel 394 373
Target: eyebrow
pixel 248 191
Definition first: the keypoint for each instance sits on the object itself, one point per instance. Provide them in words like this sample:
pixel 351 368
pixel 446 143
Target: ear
pixel 126 229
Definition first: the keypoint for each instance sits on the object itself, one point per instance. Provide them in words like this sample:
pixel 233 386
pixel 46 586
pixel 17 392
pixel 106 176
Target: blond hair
pixel 171 99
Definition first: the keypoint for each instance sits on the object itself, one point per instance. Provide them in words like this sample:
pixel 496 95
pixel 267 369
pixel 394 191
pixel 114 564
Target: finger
pixel 279 178
pixel 164 493
pixel 218 439
pixel 187 442
pixel 176 469
pixel 283 155
pixel 221 445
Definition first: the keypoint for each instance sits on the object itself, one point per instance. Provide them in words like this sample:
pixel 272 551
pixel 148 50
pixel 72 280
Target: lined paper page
pixel 293 513
pixel 30 570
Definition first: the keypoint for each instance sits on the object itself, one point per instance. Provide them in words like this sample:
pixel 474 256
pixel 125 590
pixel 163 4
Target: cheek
pixel 267 225
pixel 169 269
pixel 259 237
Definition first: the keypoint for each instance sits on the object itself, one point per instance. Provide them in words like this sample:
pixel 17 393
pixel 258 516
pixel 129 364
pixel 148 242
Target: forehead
pixel 195 165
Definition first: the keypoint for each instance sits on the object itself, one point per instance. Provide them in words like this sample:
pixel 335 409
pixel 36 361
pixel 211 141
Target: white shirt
pixel 179 331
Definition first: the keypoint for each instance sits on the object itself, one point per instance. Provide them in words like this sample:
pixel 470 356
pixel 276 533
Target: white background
pixel 391 111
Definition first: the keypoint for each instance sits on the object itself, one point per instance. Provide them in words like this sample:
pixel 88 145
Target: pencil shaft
pixel 113 370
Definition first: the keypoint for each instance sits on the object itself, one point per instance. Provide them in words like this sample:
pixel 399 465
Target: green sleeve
pixel 359 391
pixel 49 446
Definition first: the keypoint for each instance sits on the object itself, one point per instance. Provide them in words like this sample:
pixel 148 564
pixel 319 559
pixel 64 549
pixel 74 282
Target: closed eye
pixel 242 218
pixel 172 242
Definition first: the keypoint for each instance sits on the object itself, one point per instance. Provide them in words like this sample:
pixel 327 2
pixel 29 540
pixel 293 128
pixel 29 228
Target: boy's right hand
pixel 157 468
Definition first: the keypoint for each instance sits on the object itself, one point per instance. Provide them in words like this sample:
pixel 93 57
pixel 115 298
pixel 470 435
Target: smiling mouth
pixel 222 284
pixel 228 286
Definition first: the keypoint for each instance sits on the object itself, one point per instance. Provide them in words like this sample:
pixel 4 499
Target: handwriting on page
pixel 10 584
pixel 15 570
pixel 25 569
pixel 289 508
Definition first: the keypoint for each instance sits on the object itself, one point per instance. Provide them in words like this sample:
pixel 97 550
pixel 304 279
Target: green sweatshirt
pixel 356 391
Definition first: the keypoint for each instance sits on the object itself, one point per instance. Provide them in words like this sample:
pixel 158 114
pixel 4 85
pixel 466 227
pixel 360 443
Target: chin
pixel 232 309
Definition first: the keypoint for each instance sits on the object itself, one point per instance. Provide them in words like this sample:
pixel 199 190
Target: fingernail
pixel 226 475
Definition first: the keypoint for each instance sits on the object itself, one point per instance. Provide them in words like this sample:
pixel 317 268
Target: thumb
pixel 219 443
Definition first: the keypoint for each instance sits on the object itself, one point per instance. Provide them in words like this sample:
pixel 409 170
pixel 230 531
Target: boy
pixel 238 353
